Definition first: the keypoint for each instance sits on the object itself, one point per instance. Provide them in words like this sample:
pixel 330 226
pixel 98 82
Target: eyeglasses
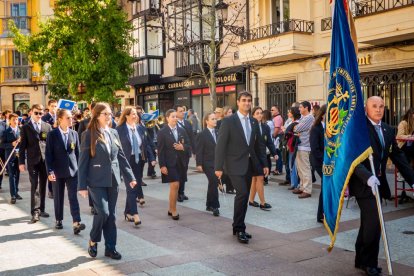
pixel 106 113
pixel 38 113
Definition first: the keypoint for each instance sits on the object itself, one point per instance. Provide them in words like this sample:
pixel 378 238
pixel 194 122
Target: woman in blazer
pixel 101 163
pixel 137 151
pixel 258 178
pixel 62 154
pixel 11 138
pixel 173 150
pixel 316 140
pixel 206 146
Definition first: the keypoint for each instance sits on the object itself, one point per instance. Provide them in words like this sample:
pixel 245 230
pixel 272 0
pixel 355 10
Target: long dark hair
pixel 267 116
pixel 408 117
pixel 94 127
pixel 127 111
pixel 319 115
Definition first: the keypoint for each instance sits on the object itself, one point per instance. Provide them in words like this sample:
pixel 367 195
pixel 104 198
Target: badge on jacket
pixel 117 142
pixel 43 135
pixel 72 145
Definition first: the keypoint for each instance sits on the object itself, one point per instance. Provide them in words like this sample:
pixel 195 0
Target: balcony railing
pixel 21 22
pixel 366 7
pixel 292 25
pixel 326 24
pixel 17 73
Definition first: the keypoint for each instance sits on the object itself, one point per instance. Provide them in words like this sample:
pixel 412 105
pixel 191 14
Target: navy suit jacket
pixel 6 142
pixel 48 118
pixel 146 151
pixel 30 143
pixel 99 171
pixel 205 148
pixel 190 134
pixel 167 155
pixel 62 159
pixel 267 138
pixel 232 150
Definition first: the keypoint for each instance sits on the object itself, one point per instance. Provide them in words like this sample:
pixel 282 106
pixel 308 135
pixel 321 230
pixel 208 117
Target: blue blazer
pixel 205 150
pixel 146 151
pixel 62 159
pixel 189 131
pixel 7 139
pixel 48 119
pixel 105 167
pixel 267 139
pixel 167 155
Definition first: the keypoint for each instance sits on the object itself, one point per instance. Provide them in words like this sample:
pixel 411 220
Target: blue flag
pixel 346 136
pixel 66 104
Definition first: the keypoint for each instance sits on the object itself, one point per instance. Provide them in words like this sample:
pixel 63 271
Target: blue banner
pixel 346 133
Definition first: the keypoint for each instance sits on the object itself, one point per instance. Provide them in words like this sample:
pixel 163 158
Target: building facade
pixel 173 49
pixel 20 81
pixel 288 48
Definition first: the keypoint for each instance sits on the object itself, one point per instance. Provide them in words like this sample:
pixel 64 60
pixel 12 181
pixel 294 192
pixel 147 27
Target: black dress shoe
pixel 35 217
pixel 113 254
pixel 58 224
pixel 93 249
pixel 143 184
pixel 93 211
pixel 154 176
pixel 232 192
pixel 254 204
pixel 216 212
pixel 185 197
pixel 77 228
pixel 44 214
pixel 369 269
pixel 13 200
pixel 50 195
pixel 242 238
pixel 210 209
pixel 177 217
pixel 18 197
pixel 247 234
pixel 265 206
pixel 180 198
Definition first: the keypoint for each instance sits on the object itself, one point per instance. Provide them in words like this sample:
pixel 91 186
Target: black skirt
pixel 176 173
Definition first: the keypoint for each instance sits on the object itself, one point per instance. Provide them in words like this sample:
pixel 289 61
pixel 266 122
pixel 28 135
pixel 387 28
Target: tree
pixel 85 43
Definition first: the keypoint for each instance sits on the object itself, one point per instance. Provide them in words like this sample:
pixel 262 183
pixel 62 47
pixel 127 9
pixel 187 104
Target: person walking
pixel 240 151
pixel 101 163
pixel 62 154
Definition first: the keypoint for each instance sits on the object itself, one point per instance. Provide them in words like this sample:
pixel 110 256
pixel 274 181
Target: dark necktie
pixel 380 136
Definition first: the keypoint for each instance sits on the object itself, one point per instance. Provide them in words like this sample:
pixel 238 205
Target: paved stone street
pixel 286 240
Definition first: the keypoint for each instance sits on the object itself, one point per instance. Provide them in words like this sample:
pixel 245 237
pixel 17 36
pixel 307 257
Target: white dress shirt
pixel 136 135
pixel 65 135
pixel 243 123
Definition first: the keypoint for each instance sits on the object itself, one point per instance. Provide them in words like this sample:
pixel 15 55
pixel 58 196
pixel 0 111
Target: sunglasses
pixel 38 113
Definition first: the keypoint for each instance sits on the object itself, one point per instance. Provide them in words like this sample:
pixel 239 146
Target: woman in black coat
pixel 258 178
pixel 316 140
pixel 173 150
pixel 205 154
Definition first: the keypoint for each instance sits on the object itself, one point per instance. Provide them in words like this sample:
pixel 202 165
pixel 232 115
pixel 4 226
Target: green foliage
pixel 85 42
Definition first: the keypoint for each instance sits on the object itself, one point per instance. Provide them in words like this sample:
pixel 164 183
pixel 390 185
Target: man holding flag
pixel 348 145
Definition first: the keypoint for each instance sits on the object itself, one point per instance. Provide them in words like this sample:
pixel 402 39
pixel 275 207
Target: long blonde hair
pixel 126 112
pixel 94 127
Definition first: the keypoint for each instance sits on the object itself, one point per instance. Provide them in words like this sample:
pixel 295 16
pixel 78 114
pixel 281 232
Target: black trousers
pixel 242 185
pixel 212 190
pixel 367 243
pixel 104 201
pixel 151 168
pixel 71 184
pixel 182 183
pixel 319 215
pixel 38 178
pixel 132 193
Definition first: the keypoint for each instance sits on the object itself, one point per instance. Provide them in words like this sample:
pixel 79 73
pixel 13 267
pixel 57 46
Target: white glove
pixel 372 182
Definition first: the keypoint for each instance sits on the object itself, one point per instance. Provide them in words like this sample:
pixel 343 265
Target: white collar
pixel 14 128
pixel 130 127
pixel 241 116
pixel 172 128
pixel 63 132
pixel 211 129
pixel 103 129
pixel 34 123
pixel 374 123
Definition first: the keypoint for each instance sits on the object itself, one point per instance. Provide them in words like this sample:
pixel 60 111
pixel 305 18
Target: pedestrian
pixel 362 184
pixel 267 118
pixel 134 142
pixel 277 132
pixel 173 151
pixel 302 129
pixel 240 151
pixel 192 118
pixel 62 155
pixel 205 155
pixel 258 177
pixel 32 150
pixel 185 125
pixel 317 144
pixel 406 130
pixel 101 163
pixel 292 142
pixel 10 141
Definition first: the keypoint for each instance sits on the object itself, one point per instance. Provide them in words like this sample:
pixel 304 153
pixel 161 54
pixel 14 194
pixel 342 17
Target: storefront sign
pixel 191 83
pixel 362 60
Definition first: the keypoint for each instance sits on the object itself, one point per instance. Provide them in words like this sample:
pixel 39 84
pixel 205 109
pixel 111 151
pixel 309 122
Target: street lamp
pixel 222 12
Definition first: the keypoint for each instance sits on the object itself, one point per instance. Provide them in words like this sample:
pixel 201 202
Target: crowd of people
pixel 92 152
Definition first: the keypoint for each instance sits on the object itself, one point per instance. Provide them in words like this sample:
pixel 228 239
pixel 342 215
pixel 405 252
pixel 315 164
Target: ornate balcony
pixel 17 73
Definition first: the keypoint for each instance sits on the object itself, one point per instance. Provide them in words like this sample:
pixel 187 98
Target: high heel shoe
pixel 176 217
pixel 137 220
pixel 141 202
pixel 129 218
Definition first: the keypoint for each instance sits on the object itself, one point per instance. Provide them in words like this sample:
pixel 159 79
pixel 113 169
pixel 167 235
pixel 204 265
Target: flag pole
pixel 8 159
pixel 381 218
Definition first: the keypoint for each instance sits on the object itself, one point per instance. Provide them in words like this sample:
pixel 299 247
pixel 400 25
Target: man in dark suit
pixel 3 126
pixel 362 184
pixel 184 124
pixel 32 149
pixel 240 151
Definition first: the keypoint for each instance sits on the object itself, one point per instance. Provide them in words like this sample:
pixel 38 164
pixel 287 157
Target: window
pixel 282 94
pixel 144 5
pixel 19 59
pixel 148 38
